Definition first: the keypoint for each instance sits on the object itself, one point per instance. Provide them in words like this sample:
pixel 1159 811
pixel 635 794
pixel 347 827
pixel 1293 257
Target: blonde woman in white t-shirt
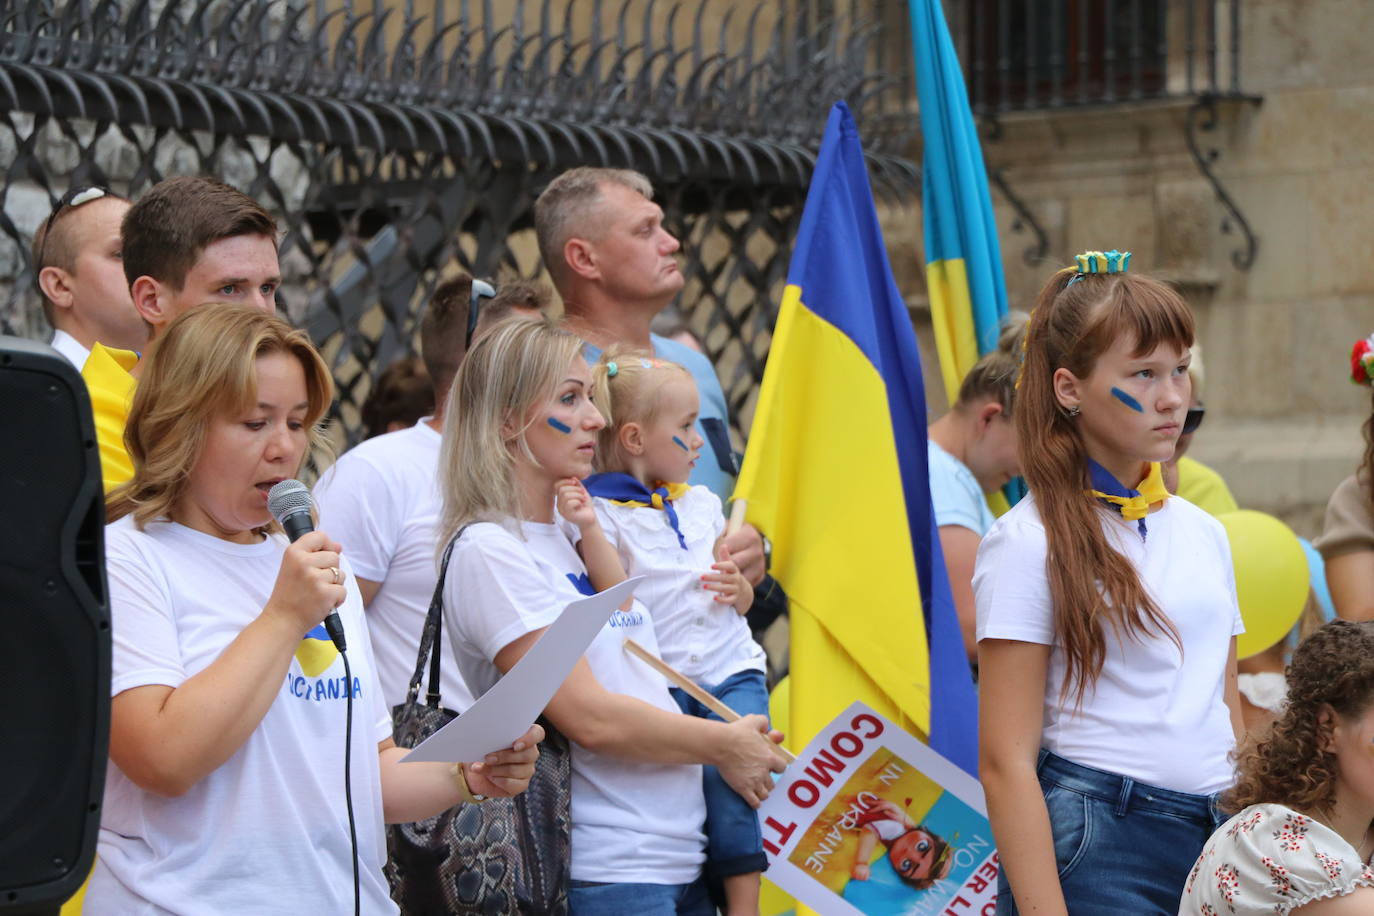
pixel 643 519
pixel 1106 614
pixel 520 425
pixel 229 789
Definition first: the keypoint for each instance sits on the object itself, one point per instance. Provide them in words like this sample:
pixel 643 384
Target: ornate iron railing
pixel 1038 54
pixel 396 144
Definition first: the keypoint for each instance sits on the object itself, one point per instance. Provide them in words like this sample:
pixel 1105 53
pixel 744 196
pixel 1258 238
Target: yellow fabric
pixel 675 492
pixel 73 906
pixel 112 391
pixel 111 388
pixel 1204 487
pixel 822 480
pixel 1151 490
pixel 951 317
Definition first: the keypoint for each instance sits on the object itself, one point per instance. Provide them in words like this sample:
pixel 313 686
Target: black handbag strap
pixel 430 637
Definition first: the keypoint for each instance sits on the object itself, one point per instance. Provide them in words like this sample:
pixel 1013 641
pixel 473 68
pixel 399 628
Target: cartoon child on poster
pixel 892 841
pixel 918 856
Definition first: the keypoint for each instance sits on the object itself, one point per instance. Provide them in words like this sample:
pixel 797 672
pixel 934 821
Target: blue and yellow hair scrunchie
pixel 1100 262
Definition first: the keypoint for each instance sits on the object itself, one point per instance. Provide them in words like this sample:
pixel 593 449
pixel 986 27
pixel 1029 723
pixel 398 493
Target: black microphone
pixel 289 502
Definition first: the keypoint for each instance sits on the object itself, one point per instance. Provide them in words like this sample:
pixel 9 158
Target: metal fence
pixel 397 145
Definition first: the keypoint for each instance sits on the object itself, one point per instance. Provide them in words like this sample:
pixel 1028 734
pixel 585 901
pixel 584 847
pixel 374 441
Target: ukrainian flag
pixel 968 297
pixel 836 475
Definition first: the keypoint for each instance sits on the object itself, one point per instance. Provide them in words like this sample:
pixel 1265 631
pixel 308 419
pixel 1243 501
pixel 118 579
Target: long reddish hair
pixel 1091 584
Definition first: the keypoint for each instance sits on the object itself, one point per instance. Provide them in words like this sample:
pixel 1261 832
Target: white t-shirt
pixel 267 831
pixel 1155 716
pixel 704 639
pixel 1269 860
pixel 632 823
pixel 381 503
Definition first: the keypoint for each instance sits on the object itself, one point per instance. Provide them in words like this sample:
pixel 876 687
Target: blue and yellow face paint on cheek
pixel 1126 399
pixel 680 444
pixel 560 425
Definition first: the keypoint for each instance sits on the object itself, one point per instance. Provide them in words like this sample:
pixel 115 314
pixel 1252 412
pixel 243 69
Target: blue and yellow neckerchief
pixel 624 490
pixel 1133 505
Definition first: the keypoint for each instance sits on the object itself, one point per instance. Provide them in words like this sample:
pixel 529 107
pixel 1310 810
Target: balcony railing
pixel 1045 54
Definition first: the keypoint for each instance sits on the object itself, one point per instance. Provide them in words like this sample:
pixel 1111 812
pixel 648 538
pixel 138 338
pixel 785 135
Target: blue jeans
pixel 587 898
pixel 1121 846
pixel 734 842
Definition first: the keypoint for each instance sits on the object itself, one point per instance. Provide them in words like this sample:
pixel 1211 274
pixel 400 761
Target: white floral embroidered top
pixel 1269 859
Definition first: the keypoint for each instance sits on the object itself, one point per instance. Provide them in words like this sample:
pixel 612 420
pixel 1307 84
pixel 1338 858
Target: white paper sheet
pixel 507 710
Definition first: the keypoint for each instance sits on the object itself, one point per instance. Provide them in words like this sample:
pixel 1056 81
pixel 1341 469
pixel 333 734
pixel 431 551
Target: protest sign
pixel 871 822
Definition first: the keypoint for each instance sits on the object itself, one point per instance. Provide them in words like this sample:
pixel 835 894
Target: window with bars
pixel 1038 54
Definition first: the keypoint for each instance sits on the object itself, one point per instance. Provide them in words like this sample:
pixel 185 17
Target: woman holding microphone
pixel 238 781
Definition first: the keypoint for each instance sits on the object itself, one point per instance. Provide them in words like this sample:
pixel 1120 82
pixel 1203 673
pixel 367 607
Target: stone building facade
pixel 1283 420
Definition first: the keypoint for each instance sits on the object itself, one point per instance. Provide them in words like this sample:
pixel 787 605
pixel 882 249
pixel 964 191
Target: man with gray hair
pixel 614 264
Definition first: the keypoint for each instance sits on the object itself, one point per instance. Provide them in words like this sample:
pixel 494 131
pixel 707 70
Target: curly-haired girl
pixel 1106 615
pixel 1303 834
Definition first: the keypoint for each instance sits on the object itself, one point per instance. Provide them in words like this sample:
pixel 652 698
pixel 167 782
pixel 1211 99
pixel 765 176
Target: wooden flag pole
pixel 701 696
pixel 737 510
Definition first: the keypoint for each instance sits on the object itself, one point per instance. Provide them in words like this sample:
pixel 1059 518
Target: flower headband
pixel 1362 361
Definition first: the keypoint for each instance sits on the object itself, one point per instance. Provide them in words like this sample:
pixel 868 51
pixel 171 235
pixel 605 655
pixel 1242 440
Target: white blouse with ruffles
pixel 1269 859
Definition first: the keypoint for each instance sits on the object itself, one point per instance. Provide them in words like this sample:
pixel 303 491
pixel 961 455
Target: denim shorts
pixel 734 842
pixel 1120 846
pixel 589 898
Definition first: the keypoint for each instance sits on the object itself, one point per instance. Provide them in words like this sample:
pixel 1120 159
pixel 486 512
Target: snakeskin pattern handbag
pixel 503 856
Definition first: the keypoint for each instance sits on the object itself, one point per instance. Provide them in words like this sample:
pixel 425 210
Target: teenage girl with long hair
pixel 1107 615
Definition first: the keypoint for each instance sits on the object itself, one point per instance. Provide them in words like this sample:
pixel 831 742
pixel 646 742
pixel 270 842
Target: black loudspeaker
pixel 54 630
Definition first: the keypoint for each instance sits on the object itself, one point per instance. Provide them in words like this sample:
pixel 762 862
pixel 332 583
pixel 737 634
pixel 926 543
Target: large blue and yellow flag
pixel 836 475
pixel 968 296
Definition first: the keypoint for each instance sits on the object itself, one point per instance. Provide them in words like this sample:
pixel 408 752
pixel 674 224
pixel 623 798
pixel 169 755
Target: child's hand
pixel 575 504
pixel 860 871
pixel 728 582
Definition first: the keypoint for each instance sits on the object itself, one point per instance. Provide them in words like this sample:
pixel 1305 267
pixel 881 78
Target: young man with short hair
pixel 187 241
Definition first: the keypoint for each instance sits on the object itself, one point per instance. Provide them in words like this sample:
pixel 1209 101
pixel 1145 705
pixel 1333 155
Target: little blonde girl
pixel 637 517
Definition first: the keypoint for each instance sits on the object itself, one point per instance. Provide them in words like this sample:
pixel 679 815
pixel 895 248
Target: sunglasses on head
pixel 1193 419
pixel 481 289
pixel 74 198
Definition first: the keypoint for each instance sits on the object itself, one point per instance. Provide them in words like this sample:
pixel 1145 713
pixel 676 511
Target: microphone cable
pixel 348 780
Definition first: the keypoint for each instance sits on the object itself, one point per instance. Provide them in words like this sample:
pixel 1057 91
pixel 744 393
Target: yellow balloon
pixel 1272 578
